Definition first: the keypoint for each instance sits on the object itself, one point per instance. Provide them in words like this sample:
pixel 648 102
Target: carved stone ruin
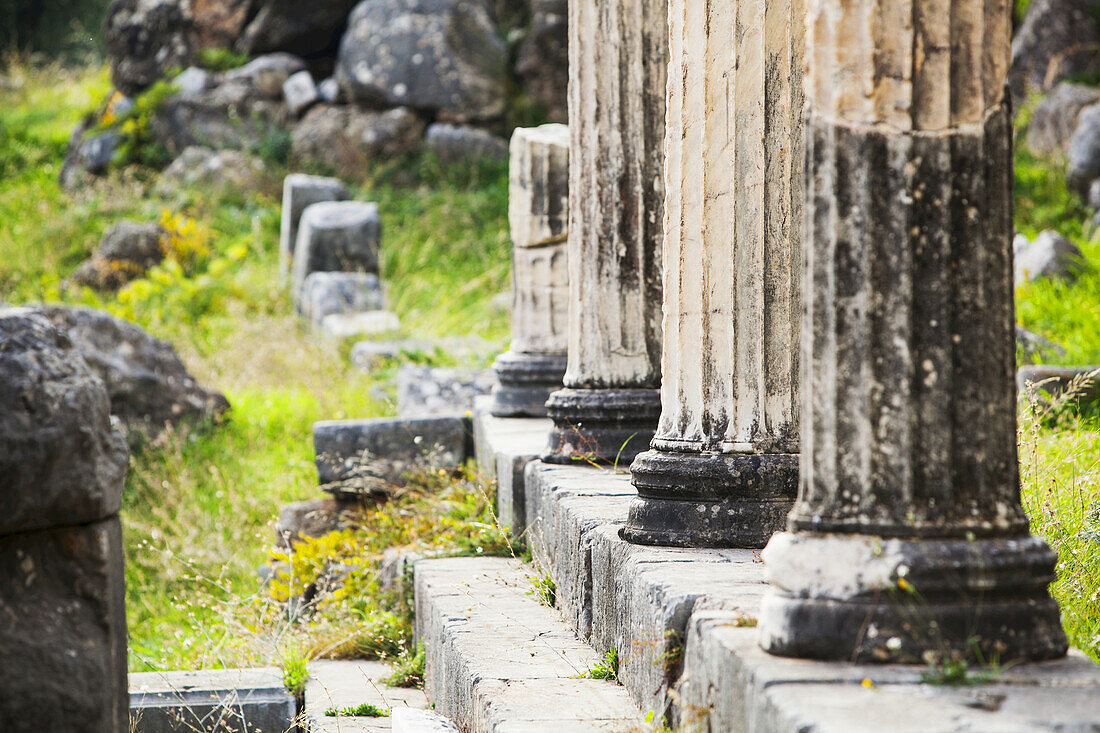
pixel 618 57
pixel 724 466
pixel 538 215
pixel 908 537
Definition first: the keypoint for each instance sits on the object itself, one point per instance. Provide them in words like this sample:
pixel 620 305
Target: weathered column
pixel 538 215
pixel 908 536
pixel 618 58
pixel 724 466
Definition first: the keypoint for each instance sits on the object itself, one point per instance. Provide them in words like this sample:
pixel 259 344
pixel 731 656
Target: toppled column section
pixel 724 466
pixel 908 537
pixel 299 192
pixel 538 215
pixel 63 638
pixel 618 58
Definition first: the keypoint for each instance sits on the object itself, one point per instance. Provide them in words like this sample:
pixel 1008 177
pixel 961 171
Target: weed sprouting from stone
pixel 605 669
pixel 364 710
pixel 408 669
pixel 546 590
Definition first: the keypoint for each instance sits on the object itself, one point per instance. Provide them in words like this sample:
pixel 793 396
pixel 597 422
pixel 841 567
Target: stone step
pixel 499 660
pixel 336 685
pixel 227 700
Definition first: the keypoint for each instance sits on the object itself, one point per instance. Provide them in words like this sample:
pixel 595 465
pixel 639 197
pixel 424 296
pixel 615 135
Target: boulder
pixel 424 391
pixel 217 171
pixel 63 463
pixel 311 31
pixel 1033 348
pixel 1057 39
pixel 1083 155
pixel 542 63
pixel 439 56
pixel 144 39
pixel 459 143
pixel 127 250
pixel 218 23
pixel 148 385
pixel 193 80
pixel 299 192
pixel 1055 118
pixel 88 153
pixel 325 293
pixel 1050 256
pixel 336 236
pixel 230 115
pixel 61 574
pixel 267 74
pixel 314 518
pixel 330 92
pixel 300 93
pixel 347 139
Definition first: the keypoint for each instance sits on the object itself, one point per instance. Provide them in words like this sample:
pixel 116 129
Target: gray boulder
pixel 233 114
pixel 1083 155
pixel 300 93
pixel 424 391
pixel 458 143
pixel 193 80
pixel 267 74
pixel 1050 256
pixel 61 575
pixel 1055 118
pixel 330 92
pixel 148 385
pixel 326 293
pixel 311 31
pixel 542 63
pixel 144 39
pixel 127 251
pixel 439 56
pixel 301 191
pixel 62 461
pixel 1057 39
pixel 88 153
pixel 347 139
pixel 219 171
pixel 336 236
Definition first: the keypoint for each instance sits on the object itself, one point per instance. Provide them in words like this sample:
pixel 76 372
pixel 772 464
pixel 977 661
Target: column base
pixel 526 382
pixel 710 499
pixel 862 598
pixel 608 426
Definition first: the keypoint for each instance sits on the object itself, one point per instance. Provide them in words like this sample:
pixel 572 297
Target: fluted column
pixel 724 466
pixel 618 56
pixel 908 536
pixel 538 208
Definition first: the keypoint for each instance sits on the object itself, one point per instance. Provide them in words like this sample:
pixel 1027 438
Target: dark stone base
pixel 526 382
pixel 63 636
pixel 609 426
pixel 710 499
pixel 864 599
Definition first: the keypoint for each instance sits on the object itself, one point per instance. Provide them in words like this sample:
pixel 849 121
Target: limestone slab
pixel 504 446
pixel 339 684
pixel 499 660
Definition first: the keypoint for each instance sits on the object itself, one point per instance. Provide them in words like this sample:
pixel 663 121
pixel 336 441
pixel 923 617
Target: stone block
pixel 370 323
pixel 409 720
pixel 336 236
pixel 1050 256
pixel 504 447
pixel 436 391
pixel 299 192
pixel 498 660
pixel 300 93
pixel 341 293
pixel 458 143
pixel 388 447
pixel 1043 382
pixel 216 701
pixel 63 639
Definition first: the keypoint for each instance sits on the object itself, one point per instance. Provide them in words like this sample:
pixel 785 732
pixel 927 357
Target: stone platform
pixel 499 660
pixel 683 622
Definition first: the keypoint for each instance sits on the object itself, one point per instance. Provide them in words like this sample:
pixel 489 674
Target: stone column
pixel 618 58
pixel 724 466
pixel 908 536
pixel 538 211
